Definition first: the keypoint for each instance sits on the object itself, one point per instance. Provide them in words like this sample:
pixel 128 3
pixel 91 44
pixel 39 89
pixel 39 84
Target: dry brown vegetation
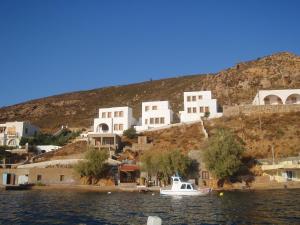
pixel 183 138
pixel 235 85
pixel 280 130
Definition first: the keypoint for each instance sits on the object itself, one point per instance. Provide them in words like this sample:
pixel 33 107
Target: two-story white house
pixel 198 104
pixel 114 120
pixel 277 97
pixel 155 114
pixel 12 132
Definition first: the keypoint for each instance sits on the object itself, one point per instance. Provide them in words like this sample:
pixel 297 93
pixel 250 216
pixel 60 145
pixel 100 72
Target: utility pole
pixel 273 155
pixel 259 112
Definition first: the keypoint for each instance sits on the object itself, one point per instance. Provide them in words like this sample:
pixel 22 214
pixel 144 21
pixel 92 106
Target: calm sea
pixel 75 207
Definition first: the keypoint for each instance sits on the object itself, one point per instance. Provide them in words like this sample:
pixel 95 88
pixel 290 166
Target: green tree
pixel 164 164
pixel 130 133
pixel 223 154
pixel 94 164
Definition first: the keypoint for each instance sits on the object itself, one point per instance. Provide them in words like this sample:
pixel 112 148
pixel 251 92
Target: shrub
pixel 48 139
pixel 94 164
pixel 164 164
pixel 130 133
pixel 223 154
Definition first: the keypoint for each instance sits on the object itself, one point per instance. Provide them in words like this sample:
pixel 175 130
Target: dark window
pixel 61 177
pixel 189 186
pixel 183 186
pixel 39 177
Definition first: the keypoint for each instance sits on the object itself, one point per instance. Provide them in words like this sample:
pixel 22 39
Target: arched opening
pixel 272 100
pixel 293 99
pixel 12 142
pixel 102 128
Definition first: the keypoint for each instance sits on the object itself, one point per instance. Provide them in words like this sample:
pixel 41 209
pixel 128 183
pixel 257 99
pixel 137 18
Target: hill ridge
pixel 235 85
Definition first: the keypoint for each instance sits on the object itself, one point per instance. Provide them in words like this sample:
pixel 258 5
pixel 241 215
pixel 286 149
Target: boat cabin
pixel 177 184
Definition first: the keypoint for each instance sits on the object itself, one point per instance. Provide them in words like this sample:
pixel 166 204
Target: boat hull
pixel 183 193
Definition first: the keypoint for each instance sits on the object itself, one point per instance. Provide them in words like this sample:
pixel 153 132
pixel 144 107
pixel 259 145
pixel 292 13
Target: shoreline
pixel 94 188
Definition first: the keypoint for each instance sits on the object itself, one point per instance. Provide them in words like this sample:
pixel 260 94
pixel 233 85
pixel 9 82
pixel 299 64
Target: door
pixel 289 175
pixel 4 179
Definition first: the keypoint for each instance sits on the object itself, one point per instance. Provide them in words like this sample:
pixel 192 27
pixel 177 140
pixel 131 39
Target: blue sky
pixel 50 47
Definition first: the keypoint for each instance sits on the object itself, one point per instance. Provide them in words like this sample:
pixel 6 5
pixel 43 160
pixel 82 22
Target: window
pixel 121 127
pixel 154 107
pixel 61 177
pixel 188 186
pixel 189 110
pixel 205 175
pixel 162 120
pixel 206 109
pixel 26 130
pixel 116 126
pixel 146 121
pixel 194 109
pixel 188 98
pixel 116 114
pixel 183 186
pixel 201 109
pixel 156 120
pixel 146 108
pixel 109 115
pixel 151 120
pixel 121 114
pixel 104 115
pixel 194 98
pixel 39 177
pixel 200 97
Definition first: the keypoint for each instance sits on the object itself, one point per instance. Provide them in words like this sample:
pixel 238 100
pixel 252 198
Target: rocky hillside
pixel 282 131
pixel 235 85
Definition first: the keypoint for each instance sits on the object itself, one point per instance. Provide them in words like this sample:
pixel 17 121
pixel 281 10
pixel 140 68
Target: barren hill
pixel 235 85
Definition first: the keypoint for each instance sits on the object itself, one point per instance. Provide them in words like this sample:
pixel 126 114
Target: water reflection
pixel 73 207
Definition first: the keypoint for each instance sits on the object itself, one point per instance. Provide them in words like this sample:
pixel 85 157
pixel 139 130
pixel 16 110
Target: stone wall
pixel 255 109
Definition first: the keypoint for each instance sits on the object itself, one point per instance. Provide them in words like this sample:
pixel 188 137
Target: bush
pixel 164 164
pixel 94 164
pixel 130 133
pixel 223 155
pixel 49 139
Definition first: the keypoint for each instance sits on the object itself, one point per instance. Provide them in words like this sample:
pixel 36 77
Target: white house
pixel 196 104
pixel 155 114
pixel 47 148
pixel 12 132
pixel 282 170
pixel 277 97
pixel 114 120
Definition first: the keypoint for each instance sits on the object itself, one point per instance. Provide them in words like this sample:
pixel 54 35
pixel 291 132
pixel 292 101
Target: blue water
pixel 78 207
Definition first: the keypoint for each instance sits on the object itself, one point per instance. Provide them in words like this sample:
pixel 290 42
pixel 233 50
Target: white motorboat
pixel 183 188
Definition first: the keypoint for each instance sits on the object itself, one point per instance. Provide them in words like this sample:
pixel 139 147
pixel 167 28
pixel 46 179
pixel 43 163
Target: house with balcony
pixel 283 169
pixel 113 120
pixel 12 132
pixel 198 104
pixel 155 114
pixel 277 97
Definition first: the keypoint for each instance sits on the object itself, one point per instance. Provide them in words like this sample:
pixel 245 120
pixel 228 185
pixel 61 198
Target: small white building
pixel 12 132
pixel 197 104
pixel 46 148
pixel 155 114
pixel 277 97
pixel 114 120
